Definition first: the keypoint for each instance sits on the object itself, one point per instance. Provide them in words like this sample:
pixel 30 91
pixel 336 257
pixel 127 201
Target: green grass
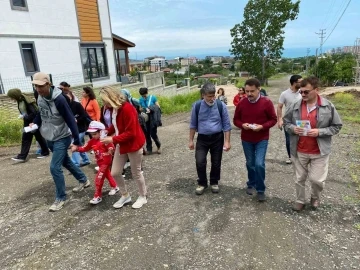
pixel 179 103
pixel 348 106
pixel 10 130
pixel 175 104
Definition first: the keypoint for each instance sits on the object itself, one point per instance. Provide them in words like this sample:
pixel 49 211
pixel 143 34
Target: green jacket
pixel 328 123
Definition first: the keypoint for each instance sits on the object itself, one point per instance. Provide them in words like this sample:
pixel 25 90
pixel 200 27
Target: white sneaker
pixel 127 165
pixel 81 186
pixel 113 191
pixel 139 202
pixel 123 200
pixel 96 200
pixel 97 168
pixel 57 205
pixel 288 161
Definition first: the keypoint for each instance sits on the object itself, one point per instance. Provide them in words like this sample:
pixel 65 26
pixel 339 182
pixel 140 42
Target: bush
pixel 10 130
pixel 240 82
pixel 179 103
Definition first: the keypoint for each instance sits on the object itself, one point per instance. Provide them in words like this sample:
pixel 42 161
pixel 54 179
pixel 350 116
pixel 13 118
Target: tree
pixel 258 40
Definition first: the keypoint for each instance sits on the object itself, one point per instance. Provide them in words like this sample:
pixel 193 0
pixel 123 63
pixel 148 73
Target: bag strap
pixel 149 101
pixel 87 104
pixel 197 109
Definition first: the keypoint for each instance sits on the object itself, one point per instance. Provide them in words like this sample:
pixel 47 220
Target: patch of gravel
pixel 177 229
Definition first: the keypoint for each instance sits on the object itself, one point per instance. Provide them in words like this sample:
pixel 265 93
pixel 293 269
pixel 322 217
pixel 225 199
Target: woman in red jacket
pixel 241 94
pixel 125 132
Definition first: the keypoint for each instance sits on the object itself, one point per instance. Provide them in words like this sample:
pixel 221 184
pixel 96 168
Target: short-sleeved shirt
pixel 288 96
pixel 147 102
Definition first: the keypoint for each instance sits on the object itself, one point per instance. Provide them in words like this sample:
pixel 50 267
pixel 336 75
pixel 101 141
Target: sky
pixel 202 27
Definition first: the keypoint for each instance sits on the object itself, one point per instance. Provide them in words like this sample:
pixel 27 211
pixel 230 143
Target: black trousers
pixel 27 141
pixel 205 143
pixel 151 133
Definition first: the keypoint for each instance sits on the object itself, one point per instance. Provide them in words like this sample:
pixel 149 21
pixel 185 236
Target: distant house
pixel 168 70
pixel 149 58
pixel 136 65
pixel 214 59
pixel 244 74
pixel 158 62
pixel 188 61
pixel 226 65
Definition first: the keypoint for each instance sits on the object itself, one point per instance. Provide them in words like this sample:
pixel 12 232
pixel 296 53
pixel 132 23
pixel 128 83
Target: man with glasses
pixel 311 123
pixel 57 124
pixel 286 98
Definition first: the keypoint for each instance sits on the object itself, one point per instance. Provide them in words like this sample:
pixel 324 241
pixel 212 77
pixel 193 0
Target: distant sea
pixel 201 54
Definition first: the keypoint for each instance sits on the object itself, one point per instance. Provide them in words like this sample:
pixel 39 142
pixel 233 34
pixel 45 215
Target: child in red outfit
pixel 103 155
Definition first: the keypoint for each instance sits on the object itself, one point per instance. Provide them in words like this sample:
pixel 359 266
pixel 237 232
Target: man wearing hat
pixel 57 125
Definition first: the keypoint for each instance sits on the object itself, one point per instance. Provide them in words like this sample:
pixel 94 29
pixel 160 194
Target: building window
pixel 94 63
pixel 28 54
pixel 121 66
pixel 19 5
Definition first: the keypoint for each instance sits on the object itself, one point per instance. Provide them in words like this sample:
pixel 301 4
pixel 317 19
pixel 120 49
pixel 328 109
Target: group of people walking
pixel 62 123
pixel 123 126
pixel 309 123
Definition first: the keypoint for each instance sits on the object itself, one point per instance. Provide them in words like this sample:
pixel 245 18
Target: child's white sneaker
pixel 113 191
pixel 96 200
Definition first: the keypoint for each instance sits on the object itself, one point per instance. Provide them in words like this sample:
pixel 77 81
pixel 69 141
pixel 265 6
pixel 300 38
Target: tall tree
pixel 258 40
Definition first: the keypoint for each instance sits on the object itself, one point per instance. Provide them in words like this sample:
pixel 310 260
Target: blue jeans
pixel 60 158
pixel 255 164
pixel 75 157
pixel 287 139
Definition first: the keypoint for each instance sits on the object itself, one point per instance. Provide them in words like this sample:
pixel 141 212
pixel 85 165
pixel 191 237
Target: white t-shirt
pixel 288 96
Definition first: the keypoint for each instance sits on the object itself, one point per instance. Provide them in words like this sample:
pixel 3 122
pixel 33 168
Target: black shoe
pixel 249 191
pixel 84 164
pixel 18 159
pixel 261 197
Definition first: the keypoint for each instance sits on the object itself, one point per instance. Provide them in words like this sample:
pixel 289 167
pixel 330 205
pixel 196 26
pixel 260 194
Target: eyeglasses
pixel 306 92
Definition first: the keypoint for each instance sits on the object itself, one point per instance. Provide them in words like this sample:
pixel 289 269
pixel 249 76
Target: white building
pixel 157 62
pixel 69 39
pixel 215 59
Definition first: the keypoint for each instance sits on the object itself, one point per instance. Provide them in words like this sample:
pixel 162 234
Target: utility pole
pixel 307 61
pixel 357 55
pixel 322 34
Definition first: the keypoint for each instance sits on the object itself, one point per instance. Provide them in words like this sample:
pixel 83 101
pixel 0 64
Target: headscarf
pixel 127 94
pixel 16 94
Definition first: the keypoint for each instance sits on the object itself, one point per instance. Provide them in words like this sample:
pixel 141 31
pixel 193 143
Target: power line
pixel 337 21
pixel 327 17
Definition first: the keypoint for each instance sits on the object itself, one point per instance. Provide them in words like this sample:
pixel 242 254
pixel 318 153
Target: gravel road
pixel 178 229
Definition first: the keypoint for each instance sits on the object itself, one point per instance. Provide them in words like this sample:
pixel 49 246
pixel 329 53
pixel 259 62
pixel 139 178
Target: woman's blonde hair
pixel 112 97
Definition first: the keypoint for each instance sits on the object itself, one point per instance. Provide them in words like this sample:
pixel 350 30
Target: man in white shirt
pixel 287 97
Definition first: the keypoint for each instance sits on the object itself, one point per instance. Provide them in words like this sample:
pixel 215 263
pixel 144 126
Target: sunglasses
pixel 305 91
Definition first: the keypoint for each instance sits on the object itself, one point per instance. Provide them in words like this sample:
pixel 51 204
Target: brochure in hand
pixel 305 124
pixel 29 129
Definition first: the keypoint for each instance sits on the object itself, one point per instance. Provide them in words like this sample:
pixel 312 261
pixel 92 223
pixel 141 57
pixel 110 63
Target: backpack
pixel 197 109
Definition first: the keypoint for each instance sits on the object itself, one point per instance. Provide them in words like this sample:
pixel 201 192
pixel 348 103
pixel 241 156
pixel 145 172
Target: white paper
pixel 29 129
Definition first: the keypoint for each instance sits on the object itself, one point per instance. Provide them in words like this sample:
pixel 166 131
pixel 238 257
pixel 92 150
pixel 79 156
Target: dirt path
pixel 177 229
